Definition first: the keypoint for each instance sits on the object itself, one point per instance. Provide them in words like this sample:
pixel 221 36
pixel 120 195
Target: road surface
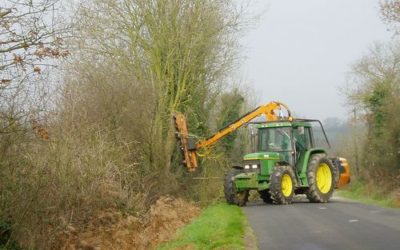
pixel 339 224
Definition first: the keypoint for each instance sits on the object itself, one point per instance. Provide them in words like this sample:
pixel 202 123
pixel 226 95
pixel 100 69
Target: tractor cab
pixel 290 140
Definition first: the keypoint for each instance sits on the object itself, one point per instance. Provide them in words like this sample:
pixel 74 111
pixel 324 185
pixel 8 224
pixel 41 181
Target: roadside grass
pixel 362 192
pixel 219 226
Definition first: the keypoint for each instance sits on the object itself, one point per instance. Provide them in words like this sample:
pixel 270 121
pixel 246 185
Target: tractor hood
pixel 262 156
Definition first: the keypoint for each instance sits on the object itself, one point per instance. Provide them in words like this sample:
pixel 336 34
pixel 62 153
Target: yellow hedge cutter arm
pixel 272 111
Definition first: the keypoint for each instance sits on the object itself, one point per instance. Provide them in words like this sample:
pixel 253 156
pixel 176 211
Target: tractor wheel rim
pixel 287 185
pixel 324 178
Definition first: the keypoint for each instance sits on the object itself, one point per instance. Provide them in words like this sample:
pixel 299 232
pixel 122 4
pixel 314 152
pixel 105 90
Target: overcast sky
pixel 300 52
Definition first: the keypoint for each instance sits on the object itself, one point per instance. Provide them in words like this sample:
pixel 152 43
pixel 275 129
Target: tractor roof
pixel 284 123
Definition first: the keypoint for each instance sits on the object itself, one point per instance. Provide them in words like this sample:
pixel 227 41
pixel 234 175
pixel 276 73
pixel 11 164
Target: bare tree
pixel 29 33
pixel 31 39
pixel 176 53
pixel 390 11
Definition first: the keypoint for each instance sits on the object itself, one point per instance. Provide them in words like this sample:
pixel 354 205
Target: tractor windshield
pixel 276 139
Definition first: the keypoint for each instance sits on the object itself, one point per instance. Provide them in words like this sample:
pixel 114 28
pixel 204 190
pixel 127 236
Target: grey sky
pixel 301 51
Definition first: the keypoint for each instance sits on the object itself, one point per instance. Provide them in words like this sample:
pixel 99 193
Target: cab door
pixel 302 141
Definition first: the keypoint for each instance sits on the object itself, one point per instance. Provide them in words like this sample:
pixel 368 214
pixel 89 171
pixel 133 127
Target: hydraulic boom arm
pixel 189 147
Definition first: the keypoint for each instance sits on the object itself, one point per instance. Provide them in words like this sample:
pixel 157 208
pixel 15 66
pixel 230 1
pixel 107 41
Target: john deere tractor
pixel 287 160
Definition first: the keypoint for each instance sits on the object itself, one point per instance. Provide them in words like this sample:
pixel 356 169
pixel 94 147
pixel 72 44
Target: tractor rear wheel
pixel 321 178
pixel 265 196
pixel 232 196
pixel 282 184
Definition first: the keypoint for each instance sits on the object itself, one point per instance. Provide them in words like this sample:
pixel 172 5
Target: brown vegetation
pixel 99 151
pixel 111 229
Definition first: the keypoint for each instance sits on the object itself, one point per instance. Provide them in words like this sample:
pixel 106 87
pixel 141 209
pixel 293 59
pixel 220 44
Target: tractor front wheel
pixel 321 178
pixel 265 196
pixel 232 196
pixel 283 183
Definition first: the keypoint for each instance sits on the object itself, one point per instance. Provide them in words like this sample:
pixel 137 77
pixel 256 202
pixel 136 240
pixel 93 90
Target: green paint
pixel 267 166
pixel 246 181
pixel 302 165
pixel 262 156
pixel 259 179
pixel 284 124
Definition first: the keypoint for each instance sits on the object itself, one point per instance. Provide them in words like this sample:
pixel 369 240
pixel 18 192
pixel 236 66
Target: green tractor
pixel 287 161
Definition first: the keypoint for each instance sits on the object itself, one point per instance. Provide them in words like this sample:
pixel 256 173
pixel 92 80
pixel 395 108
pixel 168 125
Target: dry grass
pixel 111 229
pixel 110 142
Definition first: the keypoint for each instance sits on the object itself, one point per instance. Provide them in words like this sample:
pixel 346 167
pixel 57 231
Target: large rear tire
pixel 283 183
pixel 232 196
pixel 321 174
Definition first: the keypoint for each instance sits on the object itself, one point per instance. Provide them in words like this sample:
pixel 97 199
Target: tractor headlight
pixel 246 166
pixel 254 166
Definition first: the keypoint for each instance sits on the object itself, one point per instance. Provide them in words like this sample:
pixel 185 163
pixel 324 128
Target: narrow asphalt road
pixel 339 224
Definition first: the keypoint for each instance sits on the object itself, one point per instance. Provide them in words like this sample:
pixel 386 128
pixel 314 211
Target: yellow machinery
pixel 288 159
pixel 272 111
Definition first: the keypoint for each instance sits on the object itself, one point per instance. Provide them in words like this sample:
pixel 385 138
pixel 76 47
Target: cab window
pixel 302 138
pixel 275 139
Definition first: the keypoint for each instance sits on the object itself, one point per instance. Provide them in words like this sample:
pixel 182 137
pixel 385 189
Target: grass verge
pixel 362 192
pixel 219 226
